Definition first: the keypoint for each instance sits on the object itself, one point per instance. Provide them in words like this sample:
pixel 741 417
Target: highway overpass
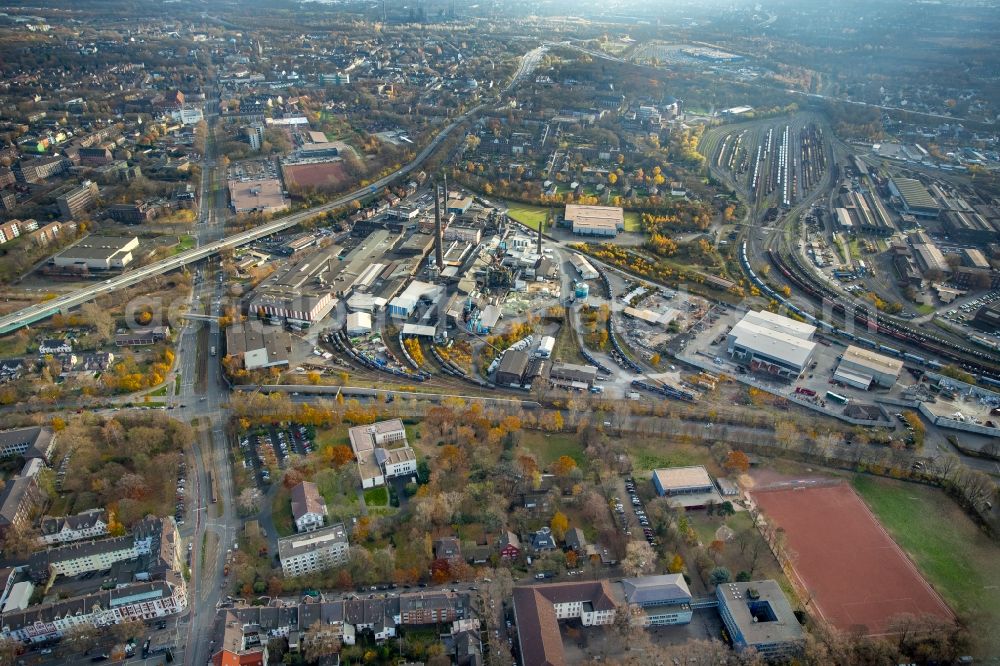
pixel 46 309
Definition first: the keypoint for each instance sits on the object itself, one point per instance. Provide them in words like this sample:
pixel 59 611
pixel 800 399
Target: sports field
pixel 857 576
pixel 949 549
pixel 321 174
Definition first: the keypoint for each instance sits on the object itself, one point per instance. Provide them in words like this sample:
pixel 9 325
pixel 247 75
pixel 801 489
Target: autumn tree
pixel 737 462
pixel 559 525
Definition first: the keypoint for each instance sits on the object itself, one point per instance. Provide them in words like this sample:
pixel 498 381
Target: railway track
pixel 983 365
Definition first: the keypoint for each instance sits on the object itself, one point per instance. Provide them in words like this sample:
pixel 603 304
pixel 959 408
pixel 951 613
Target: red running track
pixel 858 577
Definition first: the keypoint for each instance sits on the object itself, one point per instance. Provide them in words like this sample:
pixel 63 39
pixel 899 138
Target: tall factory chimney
pixel 438 233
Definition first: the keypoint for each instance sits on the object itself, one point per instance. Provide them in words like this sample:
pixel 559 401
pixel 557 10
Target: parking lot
pixel 633 518
pixel 268 448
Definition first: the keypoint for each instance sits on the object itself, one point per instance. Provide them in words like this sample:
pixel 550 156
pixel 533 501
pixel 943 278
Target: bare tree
pixel 320 641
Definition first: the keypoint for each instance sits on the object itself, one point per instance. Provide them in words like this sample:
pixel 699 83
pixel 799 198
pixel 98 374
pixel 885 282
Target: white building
pixel 98 253
pixel 308 507
pixel 303 554
pixel 189 115
pixel 359 323
pixel 139 601
pixel 379 454
pixel 772 344
pixel 90 524
pixel 861 368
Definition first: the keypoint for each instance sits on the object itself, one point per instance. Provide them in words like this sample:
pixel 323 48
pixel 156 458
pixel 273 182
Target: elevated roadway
pixel 48 308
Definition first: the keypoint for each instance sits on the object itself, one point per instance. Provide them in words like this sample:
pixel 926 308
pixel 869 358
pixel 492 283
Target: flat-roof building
pixel 98 253
pixel 310 552
pixel 758 616
pixel 689 480
pixel 772 344
pixel 861 368
pixel 595 220
pixel 664 599
pixel 77 200
pixel 257 196
pixel 382 452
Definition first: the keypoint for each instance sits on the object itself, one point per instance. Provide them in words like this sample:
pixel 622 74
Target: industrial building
pixel 403 306
pixel 257 196
pixel 861 368
pixel 583 267
pixel 99 253
pixel 359 323
pixel 970 226
pixel 572 375
pixel 772 344
pixel 314 551
pixel 513 367
pixel 915 198
pixel 594 220
pixel 258 346
pixel 758 616
pixel 987 318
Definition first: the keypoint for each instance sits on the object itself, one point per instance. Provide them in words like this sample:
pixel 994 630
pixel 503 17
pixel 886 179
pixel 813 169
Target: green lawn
pixel 549 447
pixel 957 559
pixel 632 222
pixel 184 243
pixel 377 496
pixel 653 454
pixel 530 216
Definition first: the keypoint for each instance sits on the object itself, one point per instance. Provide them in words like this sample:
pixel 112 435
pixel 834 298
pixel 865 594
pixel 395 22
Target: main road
pixel 46 309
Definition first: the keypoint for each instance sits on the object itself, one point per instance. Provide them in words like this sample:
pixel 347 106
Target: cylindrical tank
pixel 582 290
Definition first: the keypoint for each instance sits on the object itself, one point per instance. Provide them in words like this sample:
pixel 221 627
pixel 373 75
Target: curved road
pixel 39 311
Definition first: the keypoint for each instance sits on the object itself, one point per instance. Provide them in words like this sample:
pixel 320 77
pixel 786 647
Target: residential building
pixel 34 442
pixel 757 615
pixel 539 608
pixel 861 368
pixel 95 156
pixel 55 346
pixel 19 497
pixel 438 607
pixel 139 212
pixel 9 230
pixel 138 601
pixel 49 232
pixel 308 507
pixel 255 135
pixel 40 169
pixel 98 253
pixel 90 524
pixel 80 557
pixel 382 452
pixel 447 548
pixel 543 540
pixel 142 336
pixel 664 599
pixel 242 644
pixel 307 553
pixel 77 200
pixel 510 545
pixel 594 220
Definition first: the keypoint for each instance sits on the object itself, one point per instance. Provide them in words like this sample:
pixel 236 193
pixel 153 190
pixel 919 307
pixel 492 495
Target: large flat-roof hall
pixel 772 344
pixel 594 220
